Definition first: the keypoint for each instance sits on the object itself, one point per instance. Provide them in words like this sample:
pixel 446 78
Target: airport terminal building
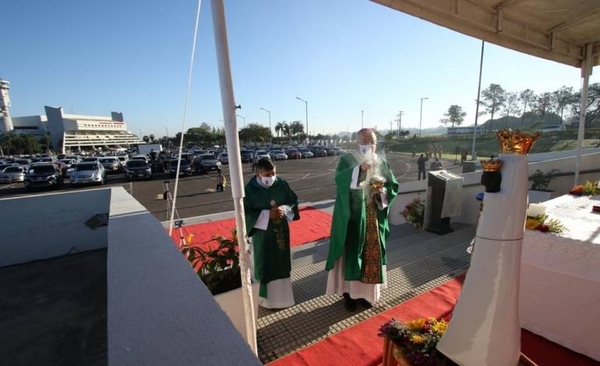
pixel 68 132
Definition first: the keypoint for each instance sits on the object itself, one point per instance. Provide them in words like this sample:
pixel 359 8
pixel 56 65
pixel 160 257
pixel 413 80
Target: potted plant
pixel 414 212
pixel 539 185
pixel 219 269
pixel 413 343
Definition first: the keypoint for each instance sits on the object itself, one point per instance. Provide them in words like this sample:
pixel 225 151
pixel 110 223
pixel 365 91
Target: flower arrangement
pixel 587 189
pixel 544 224
pixel 218 268
pixel 414 212
pixel 416 340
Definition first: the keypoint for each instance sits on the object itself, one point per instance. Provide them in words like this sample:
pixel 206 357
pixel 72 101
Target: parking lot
pixel 311 179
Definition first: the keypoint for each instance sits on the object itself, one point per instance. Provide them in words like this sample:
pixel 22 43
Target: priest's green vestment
pixel 271 247
pixel 348 227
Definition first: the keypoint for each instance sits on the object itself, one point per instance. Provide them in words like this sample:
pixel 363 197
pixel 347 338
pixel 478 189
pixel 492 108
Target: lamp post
pixel 306 106
pixel 168 142
pixel 362 119
pixel 421 115
pixel 242 117
pixel 270 131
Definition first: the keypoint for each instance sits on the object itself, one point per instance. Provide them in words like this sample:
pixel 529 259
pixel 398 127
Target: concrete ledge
pixel 159 312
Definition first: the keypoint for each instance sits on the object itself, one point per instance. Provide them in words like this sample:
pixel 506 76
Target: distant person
pixel 152 155
pixel 421 166
pixel 436 165
pixel 221 181
pixel 269 204
pixel 463 156
pixel 253 162
pixel 366 188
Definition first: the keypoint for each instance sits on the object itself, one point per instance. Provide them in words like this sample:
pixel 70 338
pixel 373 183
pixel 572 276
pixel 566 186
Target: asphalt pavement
pixel 311 179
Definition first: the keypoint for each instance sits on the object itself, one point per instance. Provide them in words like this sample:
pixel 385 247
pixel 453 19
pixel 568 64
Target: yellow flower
pixel 417 339
pixel 416 324
pixel 532 223
pixel 439 328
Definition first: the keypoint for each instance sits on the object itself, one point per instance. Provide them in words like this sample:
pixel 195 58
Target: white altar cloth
pixel 560 277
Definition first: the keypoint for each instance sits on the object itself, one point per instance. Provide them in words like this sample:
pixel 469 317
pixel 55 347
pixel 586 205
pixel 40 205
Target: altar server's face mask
pixel 268 181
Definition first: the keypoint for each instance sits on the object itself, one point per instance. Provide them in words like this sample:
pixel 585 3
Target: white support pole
pixel 235 163
pixel 473 153
pixel 586 68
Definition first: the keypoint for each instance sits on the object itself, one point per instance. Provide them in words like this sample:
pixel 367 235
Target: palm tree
pixel 279 127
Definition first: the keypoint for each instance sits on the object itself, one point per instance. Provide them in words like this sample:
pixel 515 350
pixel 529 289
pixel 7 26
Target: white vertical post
pixel 586 67
pixel 235 163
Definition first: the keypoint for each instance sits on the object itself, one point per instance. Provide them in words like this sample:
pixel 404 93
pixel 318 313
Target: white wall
pixel 50 225
pixel 564 162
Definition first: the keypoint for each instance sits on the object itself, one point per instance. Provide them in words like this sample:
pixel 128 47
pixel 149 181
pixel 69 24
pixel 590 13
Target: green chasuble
pixel 271 247
pixel 348 227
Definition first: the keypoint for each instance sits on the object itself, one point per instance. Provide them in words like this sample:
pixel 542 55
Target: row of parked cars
pixel 249 155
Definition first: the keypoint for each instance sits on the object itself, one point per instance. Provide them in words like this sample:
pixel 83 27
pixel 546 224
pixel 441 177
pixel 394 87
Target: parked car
pixel 12 174
pixel 137 169
pixel 88 173
pixel 184 169
pixel 42 175
pixel 206 163
pixel 223 158
pixel 259 154
pixel 293 154
pixel 306 153
pixel 319 151
pixel 111 164
pixel 247 156
pixel 277 154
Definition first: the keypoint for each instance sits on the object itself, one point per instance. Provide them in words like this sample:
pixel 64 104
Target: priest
pixel 366 188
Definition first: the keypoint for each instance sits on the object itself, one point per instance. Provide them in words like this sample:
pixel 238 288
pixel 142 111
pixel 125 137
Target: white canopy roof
pixel 557 30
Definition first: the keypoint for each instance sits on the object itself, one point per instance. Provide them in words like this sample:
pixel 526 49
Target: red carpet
pixel 313 225
pixel 360 345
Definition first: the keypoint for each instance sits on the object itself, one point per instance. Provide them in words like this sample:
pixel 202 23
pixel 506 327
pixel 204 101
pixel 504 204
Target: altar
pixel 560 277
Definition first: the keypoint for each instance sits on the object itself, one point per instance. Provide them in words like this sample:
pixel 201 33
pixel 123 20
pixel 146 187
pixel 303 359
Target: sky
pixel 356 63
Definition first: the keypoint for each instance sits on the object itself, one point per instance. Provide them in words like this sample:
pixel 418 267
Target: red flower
pixel 543 228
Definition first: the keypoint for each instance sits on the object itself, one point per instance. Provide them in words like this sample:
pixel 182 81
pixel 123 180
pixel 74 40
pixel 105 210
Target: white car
pixel 278 155
pixel 12 174
pixel 88 173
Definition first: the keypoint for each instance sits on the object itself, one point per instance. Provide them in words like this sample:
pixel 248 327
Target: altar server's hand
pixel 276 213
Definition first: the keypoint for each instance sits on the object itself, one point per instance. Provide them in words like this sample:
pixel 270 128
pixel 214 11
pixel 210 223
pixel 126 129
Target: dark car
pixel 247 156
pixel 184 169
pixel 293 154
pixel 207 163
pixel 42 175
pixel 319 151
pixel 138 169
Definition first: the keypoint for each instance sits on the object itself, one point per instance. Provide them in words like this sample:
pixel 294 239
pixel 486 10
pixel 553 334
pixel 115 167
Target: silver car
pixel 88 173
pixel 12 174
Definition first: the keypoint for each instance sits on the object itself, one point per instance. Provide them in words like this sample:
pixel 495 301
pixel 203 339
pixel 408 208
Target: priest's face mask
pixel 366 142
pixel 267 177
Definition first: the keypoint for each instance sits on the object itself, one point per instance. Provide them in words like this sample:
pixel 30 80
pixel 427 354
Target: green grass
pixel 488 146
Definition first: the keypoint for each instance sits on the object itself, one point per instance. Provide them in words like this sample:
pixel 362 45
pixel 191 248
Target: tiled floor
pixel 417 262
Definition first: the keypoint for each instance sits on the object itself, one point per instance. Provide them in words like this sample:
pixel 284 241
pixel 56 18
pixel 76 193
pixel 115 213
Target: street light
pixel 306 105
pixel 242 117
pixel 362 119
pixel 421 115
pixel 167 130
pixel 168 141
pixel 270 131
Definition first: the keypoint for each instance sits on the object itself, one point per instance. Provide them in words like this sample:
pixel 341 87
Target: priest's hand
pixel 276 212
pixel 365 166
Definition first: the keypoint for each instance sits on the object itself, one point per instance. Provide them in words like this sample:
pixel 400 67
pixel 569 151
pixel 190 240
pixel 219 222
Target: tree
pixel 562 98
pixel 152 139
pixel 494 97
pixel 455 115
pixel 527 97
pixel 592 115
pixel 296 128
pixel 146 139
pixel 511 108
pixel 278 127
pixel 543 104
pixel 255 133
